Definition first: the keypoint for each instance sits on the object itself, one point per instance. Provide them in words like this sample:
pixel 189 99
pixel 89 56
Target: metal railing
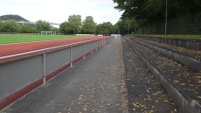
pixel 21 73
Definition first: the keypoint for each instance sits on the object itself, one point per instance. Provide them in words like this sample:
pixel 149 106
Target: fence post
pixel 83 51
pixel 44 67
pixel 92 47
pixel 71 56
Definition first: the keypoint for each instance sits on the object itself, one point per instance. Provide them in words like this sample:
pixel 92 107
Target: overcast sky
pixel 58 11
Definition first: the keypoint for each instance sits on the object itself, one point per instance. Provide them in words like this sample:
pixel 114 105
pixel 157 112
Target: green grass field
pixel 174 36
pixel 14 38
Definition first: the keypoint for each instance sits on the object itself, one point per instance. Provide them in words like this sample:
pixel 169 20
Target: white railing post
pixel 92 47
pixel 71 56
pixel 83 51
pixel 44 67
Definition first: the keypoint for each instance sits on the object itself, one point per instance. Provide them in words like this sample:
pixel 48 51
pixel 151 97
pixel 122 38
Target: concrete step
pixel 188 57
pixel 194 44
pixel 145 94
pixel 181 83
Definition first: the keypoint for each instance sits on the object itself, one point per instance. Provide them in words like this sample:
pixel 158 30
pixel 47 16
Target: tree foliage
pixel 13 27
pixel 55 29
pixel 126 26
pixel 116 29
pixel 72 26
pixel 75 22
pixel 151 11
pixel 88 25
pixel 26 29
pixel 66 28
pixel 9 26
pixel 42 26
pixel 104 28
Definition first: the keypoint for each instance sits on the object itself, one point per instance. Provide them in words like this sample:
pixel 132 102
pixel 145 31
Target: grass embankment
pixel 14 38
pixel 173 36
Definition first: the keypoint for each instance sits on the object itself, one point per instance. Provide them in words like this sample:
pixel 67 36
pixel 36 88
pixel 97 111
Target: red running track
pixel 11 49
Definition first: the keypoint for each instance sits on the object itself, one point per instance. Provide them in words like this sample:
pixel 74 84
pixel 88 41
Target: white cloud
pixel 58 10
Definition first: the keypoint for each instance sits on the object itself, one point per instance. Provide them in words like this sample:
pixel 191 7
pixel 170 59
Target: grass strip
pixel 14 38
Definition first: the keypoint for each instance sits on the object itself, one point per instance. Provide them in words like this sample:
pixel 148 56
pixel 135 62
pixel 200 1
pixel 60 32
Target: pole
pixel 71 56
pixel 44 67
pixel 166 20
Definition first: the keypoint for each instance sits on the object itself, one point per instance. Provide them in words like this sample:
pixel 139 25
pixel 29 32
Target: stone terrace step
pixel 181 83
pixel 196 54
pixel 182 42
pixel 188 57
pixel 145 94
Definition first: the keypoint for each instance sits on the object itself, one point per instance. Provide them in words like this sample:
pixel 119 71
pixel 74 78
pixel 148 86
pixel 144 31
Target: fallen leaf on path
pixel 176 81
pixel 199 97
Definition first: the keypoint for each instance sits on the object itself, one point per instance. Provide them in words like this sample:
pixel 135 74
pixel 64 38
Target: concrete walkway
pixel 92 85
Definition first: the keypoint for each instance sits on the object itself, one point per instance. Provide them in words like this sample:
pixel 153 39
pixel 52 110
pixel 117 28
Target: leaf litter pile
pixel 145 95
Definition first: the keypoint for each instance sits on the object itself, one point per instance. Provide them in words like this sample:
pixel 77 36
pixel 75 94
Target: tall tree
pixel 10 26
pixel 75 22
pixel 66 28
pixel 149 11
pixel 126 26
pixel 89 25
pixel 116 29
pixel 104 28
pixel 146 11
pixel 42 25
